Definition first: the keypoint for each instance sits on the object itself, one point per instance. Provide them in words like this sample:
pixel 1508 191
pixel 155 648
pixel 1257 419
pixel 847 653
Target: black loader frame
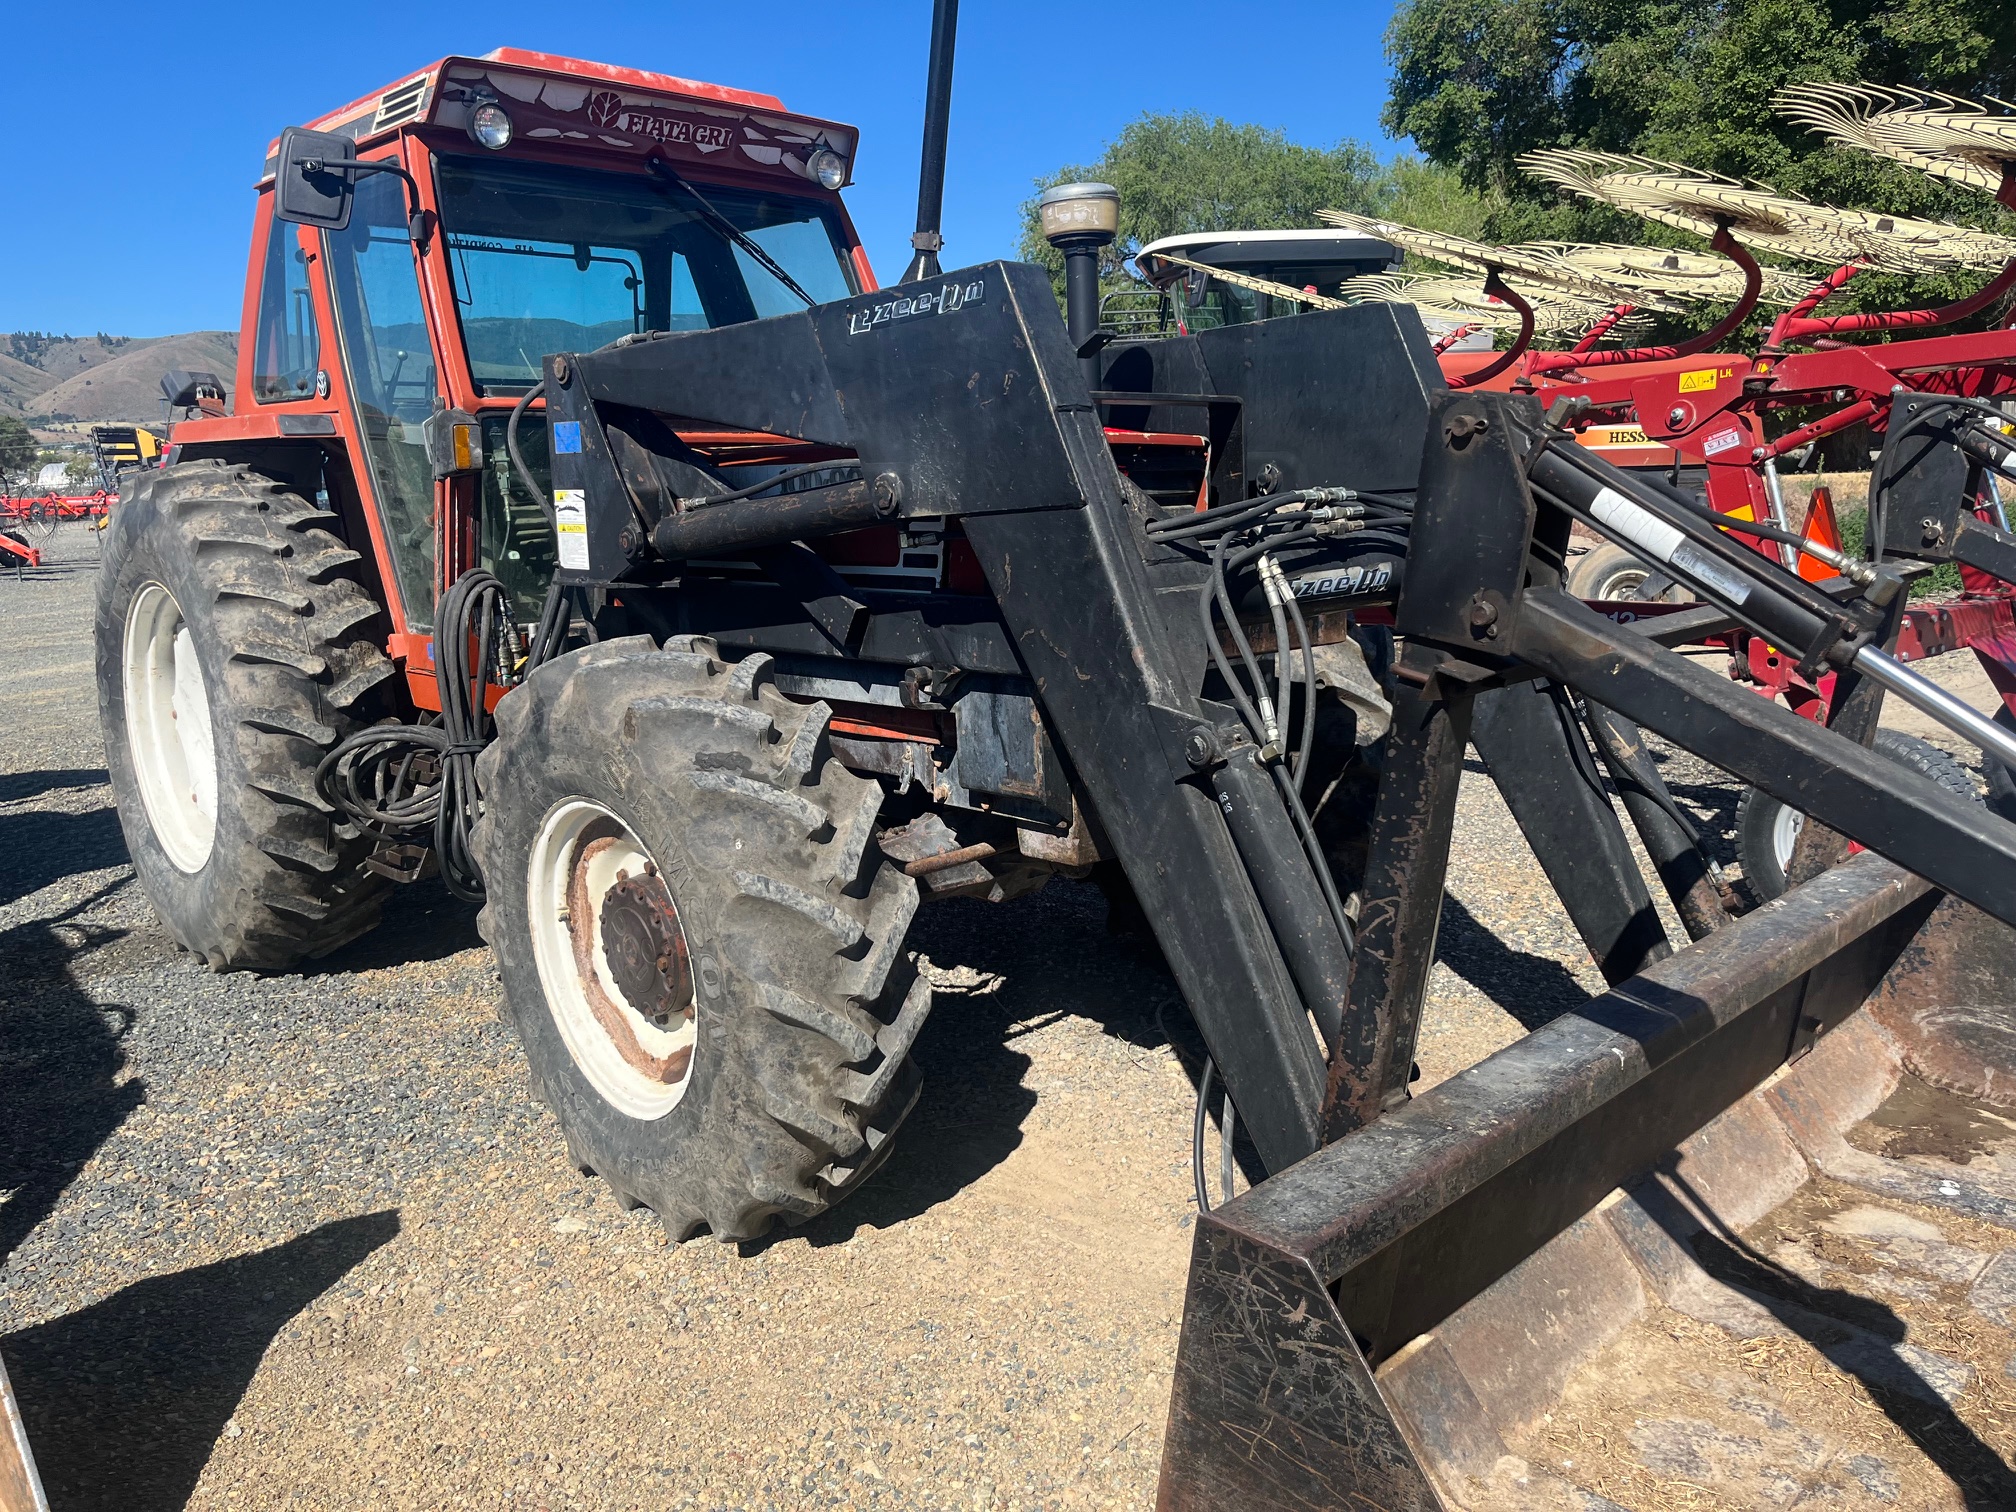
pixel 961 402
pixel 1300 1289
pixel 960 406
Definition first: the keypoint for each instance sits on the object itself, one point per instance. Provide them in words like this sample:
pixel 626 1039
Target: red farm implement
pixel 1724 420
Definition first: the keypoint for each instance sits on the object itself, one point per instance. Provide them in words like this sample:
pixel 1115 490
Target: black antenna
pixel 937 123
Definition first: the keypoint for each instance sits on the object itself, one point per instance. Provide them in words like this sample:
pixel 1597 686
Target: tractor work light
pixel 828 167
pixel 490 126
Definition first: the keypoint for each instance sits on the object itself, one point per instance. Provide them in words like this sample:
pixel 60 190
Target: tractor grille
pixel 408 102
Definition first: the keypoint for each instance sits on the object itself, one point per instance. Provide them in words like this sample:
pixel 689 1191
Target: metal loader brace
pixel 961 399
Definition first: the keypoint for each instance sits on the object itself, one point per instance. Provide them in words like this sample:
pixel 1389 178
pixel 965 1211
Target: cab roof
pixel 594 107
pixel 1248 251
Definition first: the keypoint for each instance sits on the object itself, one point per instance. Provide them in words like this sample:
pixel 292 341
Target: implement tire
pixel 1766 829
pixel 1607 573
pixel 700 941
pixel 233 650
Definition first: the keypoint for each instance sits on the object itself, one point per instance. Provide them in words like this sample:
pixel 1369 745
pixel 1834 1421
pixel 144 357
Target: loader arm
pixel 1310 1372
pixel 961 400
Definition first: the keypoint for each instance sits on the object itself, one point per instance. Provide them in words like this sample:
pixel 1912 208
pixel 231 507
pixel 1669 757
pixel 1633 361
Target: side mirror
pixel 1196 284
pixel 307 191
pixel 193 390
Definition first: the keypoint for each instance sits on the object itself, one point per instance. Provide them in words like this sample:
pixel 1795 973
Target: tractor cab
pixel 1181 268
pixel 417 252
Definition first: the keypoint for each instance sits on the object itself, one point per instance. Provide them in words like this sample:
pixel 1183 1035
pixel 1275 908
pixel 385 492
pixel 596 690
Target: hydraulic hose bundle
pixel 1253 533
pixel 1244 540
pixel 408 784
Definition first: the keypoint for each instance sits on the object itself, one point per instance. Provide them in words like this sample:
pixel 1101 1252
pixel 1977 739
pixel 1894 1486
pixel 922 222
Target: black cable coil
pixel 416 783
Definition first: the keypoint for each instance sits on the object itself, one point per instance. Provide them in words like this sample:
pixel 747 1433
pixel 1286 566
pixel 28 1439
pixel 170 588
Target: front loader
pixel 590 531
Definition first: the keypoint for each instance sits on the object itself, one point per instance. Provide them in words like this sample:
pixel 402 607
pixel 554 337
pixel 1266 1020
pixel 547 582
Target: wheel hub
pixel 620 922
pixel 645 949
pixel 168 732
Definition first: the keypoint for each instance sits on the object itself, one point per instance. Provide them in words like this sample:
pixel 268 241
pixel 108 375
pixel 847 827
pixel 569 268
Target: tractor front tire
pixel 699 938
pixel 233 650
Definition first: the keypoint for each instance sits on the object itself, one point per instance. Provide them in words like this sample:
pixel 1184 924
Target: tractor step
pixel 1516 1291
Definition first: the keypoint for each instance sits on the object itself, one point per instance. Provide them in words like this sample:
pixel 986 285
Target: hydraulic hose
pixel 525 477
pixel 416 783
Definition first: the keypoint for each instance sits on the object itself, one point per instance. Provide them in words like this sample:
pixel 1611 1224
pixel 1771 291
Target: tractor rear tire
pixel 660 796
pixel 233 651
pixel 1766 829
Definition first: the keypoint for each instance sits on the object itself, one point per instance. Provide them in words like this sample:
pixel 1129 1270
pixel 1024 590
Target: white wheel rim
pixel 168 728
pixel 1785 827
pixel 621 1074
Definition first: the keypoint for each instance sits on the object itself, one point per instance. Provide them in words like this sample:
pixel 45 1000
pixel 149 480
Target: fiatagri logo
pixel 607 108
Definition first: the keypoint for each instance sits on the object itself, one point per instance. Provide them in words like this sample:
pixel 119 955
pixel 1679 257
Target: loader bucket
pixel 1377 1325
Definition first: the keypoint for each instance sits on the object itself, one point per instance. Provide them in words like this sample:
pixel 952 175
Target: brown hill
pixel 19 383
pixel 91 379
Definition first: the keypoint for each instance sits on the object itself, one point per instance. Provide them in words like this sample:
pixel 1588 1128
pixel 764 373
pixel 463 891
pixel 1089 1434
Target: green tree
pixel 18 454
pixel 1477 82
pixel 1191 172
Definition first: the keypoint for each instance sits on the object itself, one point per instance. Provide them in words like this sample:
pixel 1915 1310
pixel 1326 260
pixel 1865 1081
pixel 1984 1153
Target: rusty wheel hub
pixel 640 991
pixel 645 949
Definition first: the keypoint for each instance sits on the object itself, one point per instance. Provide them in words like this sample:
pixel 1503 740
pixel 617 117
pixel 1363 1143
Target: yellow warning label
pixel 570 524
pixel 1696 381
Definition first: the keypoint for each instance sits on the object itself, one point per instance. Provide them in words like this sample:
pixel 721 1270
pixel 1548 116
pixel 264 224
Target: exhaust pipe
pixel 937 126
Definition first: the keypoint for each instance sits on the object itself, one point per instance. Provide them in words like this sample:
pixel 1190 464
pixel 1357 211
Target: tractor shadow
pixel 1532 988
pixel 1062 954
pixel 17 787
pixel 124 1400
pixel 1016 967
pixel 39 847
pixel 62 1057
pixel 422 922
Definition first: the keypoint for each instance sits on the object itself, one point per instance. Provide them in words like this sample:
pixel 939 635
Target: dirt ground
pixel 304 1241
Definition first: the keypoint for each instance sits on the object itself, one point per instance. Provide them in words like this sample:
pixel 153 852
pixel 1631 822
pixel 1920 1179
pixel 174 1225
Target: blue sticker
pixel 567 436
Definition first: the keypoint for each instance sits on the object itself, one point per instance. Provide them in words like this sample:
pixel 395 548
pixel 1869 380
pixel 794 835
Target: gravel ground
pixel 304 1241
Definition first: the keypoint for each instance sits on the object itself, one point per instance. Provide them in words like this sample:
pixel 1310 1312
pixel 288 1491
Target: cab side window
pixel 287 351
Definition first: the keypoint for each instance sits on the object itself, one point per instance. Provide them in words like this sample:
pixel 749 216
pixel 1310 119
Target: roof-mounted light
pixel 828 167
pixel 490 127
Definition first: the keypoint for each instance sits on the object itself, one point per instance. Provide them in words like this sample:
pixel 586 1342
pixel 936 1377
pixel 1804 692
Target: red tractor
pixel 284 582
pixel 290 557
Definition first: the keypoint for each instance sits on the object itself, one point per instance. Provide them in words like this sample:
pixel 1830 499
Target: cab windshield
pixel 548 259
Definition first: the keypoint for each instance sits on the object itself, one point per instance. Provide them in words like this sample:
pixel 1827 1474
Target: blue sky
pixel 134 133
